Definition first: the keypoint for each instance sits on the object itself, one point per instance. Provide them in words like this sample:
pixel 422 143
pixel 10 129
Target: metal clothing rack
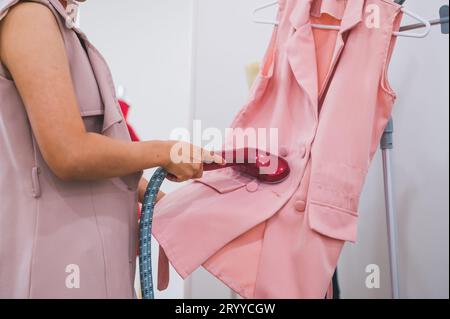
pixel 387 146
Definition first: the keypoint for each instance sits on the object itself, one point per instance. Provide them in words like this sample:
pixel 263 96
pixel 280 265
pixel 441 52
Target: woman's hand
pixel 186 161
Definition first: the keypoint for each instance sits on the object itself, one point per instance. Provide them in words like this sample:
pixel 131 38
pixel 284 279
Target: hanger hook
pixel 425 22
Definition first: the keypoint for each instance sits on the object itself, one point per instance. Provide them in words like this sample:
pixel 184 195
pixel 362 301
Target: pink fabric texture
pixel 328 95
pixel 48 226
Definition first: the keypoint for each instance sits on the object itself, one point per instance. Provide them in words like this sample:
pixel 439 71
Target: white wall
pixel 148 45
pixel 227 41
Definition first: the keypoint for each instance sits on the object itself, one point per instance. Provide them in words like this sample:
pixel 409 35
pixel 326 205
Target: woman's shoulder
pixel 31 15
pixel 28 25
pixel 27 11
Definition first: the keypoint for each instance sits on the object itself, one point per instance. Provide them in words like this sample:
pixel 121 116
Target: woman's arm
pixel 32 48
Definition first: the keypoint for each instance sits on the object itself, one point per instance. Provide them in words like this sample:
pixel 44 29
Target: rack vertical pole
pixel 387 145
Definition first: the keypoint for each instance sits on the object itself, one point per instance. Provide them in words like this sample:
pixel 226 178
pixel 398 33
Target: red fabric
pixel 125 108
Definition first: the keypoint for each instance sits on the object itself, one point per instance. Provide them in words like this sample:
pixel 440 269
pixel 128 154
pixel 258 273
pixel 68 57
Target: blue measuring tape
pixel 145 233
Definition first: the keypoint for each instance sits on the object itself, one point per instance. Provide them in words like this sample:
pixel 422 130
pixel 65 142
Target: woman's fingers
pixel 160 196
pixel 199 172
pixel 210 157
pixel 191 165
pixel 172 178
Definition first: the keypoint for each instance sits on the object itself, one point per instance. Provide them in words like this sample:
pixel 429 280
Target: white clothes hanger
pixel 423 22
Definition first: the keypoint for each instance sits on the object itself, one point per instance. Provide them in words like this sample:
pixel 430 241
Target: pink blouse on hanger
pixel 328 95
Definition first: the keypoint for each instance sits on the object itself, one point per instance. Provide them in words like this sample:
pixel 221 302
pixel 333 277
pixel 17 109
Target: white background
pixel 185 59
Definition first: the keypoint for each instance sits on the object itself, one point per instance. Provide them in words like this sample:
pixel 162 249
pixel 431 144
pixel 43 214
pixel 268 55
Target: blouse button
pixel 300 206
pixel 252 187
pixel 284 152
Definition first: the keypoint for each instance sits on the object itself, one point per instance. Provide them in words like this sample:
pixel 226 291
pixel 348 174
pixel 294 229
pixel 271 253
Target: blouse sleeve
pixel 2 15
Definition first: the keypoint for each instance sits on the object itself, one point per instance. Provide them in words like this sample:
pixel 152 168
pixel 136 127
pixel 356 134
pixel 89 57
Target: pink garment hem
pixel 179 268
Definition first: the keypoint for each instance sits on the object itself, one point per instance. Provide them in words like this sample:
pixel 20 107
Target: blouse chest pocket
pixel 93 118
pixel 228 180
pixel 220 183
